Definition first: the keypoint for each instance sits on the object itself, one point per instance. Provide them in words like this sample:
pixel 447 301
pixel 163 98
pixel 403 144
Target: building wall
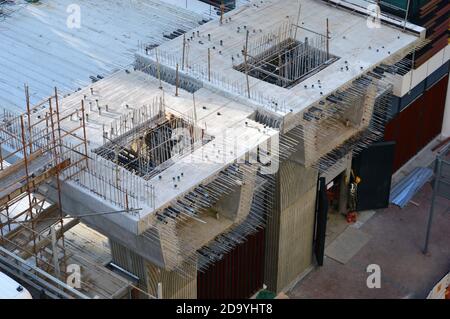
pixel 296 238
pixel 290 229
pixel 239 275
pixel 421 110
pixel 418 123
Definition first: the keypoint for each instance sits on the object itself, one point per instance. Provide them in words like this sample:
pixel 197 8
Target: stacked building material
pixel 404 191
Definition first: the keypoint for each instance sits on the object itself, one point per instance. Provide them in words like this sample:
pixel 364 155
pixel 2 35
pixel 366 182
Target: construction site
pixel 160 149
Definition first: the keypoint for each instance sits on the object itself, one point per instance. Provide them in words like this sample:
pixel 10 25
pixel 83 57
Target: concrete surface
pixel 347 245
pixel 359 47
pixel 397 238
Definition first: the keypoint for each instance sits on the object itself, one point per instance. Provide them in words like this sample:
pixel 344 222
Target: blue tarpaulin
pixel 404 191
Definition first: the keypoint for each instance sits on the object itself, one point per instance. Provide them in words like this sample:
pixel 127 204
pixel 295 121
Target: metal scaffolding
pixel 36 147
pixel 37 155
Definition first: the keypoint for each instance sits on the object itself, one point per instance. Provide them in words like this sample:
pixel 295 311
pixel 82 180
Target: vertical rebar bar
pixel 246 63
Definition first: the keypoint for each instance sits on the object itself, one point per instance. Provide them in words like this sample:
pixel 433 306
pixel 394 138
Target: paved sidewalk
pixel 396 241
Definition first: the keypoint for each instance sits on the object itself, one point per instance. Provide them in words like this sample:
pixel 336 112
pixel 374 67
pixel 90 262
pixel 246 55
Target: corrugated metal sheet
pixel 239 275
pixel 404 191
pixel 38 48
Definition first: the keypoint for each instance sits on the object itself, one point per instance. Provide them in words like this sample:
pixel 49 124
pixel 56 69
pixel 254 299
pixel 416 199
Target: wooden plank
pixel 47 241
pixel 48 213
pixel 34 182
pixel 439 30
pixel 428 6
pixel 19 165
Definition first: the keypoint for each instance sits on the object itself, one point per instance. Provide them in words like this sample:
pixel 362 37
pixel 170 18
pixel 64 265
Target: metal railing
pixel 441 186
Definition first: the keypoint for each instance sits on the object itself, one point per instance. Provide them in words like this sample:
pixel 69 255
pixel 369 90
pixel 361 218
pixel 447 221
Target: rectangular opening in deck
pixel 290 62
pixel 154 146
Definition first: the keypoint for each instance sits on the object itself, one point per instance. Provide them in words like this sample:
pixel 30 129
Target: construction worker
pixel 353 198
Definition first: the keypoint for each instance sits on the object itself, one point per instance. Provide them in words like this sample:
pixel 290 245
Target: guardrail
pixel 12 263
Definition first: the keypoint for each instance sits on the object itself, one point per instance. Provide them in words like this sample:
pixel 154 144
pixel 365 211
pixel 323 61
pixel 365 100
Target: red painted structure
pixel 239 275
pixel 418 124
